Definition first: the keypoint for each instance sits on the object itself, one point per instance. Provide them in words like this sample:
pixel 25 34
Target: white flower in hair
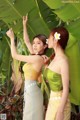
pixel 46 41
pixel 57 36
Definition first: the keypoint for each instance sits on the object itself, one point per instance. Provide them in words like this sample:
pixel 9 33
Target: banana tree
pixel 43 15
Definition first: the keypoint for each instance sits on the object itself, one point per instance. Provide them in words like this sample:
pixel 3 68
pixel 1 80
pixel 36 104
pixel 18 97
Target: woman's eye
pixel 38 43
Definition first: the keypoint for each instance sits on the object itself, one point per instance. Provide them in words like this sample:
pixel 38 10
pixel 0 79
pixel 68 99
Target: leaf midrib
pixel 19 15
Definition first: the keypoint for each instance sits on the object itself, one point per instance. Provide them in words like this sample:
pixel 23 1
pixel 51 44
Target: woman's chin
pixel 49 46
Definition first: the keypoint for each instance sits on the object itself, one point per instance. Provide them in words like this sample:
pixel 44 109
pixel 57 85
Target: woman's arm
pixel 65 82
pixel 25 35
pixel 15 55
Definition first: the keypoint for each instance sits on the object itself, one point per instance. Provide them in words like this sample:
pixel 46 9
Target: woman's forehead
pixel 37 40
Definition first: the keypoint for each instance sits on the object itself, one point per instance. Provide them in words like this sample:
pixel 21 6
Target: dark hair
pixel 42 38
pixel 64 35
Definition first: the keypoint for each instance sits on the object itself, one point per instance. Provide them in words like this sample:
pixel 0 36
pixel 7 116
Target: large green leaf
pixel 67 12
pixel 74 28
pixel 74 60
pixel 64 9
pixel 12 14
pixel 54 4
pixel 46 13
pixel 73 53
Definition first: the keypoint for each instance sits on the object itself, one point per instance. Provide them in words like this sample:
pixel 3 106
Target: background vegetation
pixel 43 15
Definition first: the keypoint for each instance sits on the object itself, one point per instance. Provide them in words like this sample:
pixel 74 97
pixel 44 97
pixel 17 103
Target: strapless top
pixel 30 72
pixel 54 79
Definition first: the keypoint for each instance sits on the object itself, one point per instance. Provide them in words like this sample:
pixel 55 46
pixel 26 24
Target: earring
pixel 37 53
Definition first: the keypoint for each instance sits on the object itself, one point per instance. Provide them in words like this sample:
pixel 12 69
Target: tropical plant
pixel 43 15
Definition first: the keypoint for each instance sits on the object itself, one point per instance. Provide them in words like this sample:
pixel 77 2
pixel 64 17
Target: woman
pixel 33 107
pixel 57 73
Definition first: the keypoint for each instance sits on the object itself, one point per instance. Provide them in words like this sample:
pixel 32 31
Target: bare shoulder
pixel 35 59
pixel 64 60
pixel 39 58
pixel 64 66
pixel 38 63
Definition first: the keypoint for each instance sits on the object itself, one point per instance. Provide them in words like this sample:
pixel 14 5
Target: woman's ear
pixel 55 40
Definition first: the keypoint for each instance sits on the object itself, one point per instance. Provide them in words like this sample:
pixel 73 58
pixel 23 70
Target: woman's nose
pixel 35 45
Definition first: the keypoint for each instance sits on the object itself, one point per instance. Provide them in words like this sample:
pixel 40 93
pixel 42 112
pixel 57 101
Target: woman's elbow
pixel 14 56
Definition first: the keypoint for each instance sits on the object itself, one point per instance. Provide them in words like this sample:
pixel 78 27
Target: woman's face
pixel 38 46
pixel 51 42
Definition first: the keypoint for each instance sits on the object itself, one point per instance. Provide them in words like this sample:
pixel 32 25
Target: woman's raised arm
pixel 15 55
pixel 25 35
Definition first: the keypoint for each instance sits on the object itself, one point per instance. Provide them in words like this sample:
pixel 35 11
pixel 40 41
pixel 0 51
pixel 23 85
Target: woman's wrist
pixel 13 41
pixel 61 109
pixel 24 25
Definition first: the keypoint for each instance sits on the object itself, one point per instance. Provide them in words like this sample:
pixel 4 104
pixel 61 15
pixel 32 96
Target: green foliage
pixel 68 13
pixel 46 13
pixel 14 13
pixel 43 15
pixel 5 60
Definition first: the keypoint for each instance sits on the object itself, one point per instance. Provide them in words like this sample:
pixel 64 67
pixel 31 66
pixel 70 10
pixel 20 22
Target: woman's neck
pixel 58 51
pixel 38 54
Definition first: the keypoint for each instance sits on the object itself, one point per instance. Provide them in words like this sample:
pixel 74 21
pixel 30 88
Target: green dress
pixel 55 83
pixel 54 79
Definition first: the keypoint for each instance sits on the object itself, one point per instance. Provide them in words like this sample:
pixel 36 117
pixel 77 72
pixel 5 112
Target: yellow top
pixel 29 72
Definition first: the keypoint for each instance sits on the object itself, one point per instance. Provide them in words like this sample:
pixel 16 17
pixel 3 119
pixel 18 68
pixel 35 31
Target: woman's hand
pixel 45 58
pixel 25 19
pixel 10 34
pixel 59 115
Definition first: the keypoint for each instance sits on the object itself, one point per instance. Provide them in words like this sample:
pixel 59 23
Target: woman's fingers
pixel 45 58
pixel 25 18
pixel 10 30
pixel 10 33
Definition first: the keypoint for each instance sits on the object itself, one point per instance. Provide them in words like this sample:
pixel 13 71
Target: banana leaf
pixel 67 12
pixel 46 13
pixel 12 12
pixel 74 28
pixel 73 53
